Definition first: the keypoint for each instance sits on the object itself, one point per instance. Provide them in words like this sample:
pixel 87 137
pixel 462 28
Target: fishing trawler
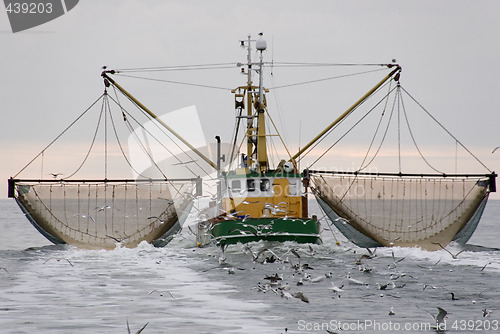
pixel 256 200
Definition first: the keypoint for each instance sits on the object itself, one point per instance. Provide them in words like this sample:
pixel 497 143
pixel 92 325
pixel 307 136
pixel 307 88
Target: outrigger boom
pixel 108 81
pixel 394 73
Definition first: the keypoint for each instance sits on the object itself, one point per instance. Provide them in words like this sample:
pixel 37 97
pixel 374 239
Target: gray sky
pixel 449 51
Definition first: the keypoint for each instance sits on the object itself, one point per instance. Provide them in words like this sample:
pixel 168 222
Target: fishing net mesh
pixel 402 210
pixel 100 214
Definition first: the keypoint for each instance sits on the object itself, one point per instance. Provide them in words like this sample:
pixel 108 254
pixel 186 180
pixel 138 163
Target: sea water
pixel 181 288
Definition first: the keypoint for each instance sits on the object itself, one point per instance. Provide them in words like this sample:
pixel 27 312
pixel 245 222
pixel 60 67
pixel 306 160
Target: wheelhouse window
pixel 251 184
pixel 236 185
pixel 265 184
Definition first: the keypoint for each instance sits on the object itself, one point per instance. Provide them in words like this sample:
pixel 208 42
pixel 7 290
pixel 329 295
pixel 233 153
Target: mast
pixel 255 102
pixel 262 161
pixel 249 103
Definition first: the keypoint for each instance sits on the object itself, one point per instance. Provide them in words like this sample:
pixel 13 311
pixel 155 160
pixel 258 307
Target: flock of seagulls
pixel 291 271
pixel 295 274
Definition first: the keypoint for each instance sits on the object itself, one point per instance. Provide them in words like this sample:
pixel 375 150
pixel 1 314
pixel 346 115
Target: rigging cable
pixel 326 79
pixel 120 145
pixel 290 64
pixel 167 135
pixel 141 145
pixel 277 132
pixel 412 137
pixel 53 141
pixel 174 82
pixel 235 136
pixel 277 102
pixel 93 139
pixel 449 133
pixel 178 68
pixel 376 132
pixel 399 131
pixel 134 135
pixel 345 134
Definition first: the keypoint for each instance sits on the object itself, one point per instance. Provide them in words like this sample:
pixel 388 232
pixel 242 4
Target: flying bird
pixel 301 296
pixel 439 318
pixel 59 260
pixel 161 293
pixel 454 256
pixel 139 331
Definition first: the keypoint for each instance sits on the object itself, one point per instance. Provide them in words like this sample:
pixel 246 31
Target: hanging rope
pixel 446 130
pixel 59 136
pixel 178 68
pixel 175 82
pixel 326 79
pixel 162 130
pixel 376 132
pixel 104 96
pixel 120 145
pixel 412 137
pixel 347 132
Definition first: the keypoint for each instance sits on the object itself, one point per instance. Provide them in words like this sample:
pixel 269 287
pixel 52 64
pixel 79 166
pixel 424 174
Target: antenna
pixel 261 45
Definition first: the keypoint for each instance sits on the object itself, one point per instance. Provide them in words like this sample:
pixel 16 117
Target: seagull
pixel 157 219
pixel 318 279
pixel 486 313
pixel 394 261
pixel 439 318
pixel 84 216
pixel 311 250
pixel 454 256
pixel 294 252
pixel 55 175
pixel 58 260
pixel 286 294
pixel 161 293
pixel 301 296
pixel 255 256
pixel 496 148
pixel 102 208
pixel 391 311
pixel 139 331
pixel 429 286
pixel 337 289
pixel 484 267
pixel 390 285
pixel 274 278
pixel 243 232
pixel 362 257
pixel 354 281
pixel 391 242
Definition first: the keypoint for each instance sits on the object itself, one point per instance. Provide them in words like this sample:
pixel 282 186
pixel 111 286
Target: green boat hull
pixel 269 229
